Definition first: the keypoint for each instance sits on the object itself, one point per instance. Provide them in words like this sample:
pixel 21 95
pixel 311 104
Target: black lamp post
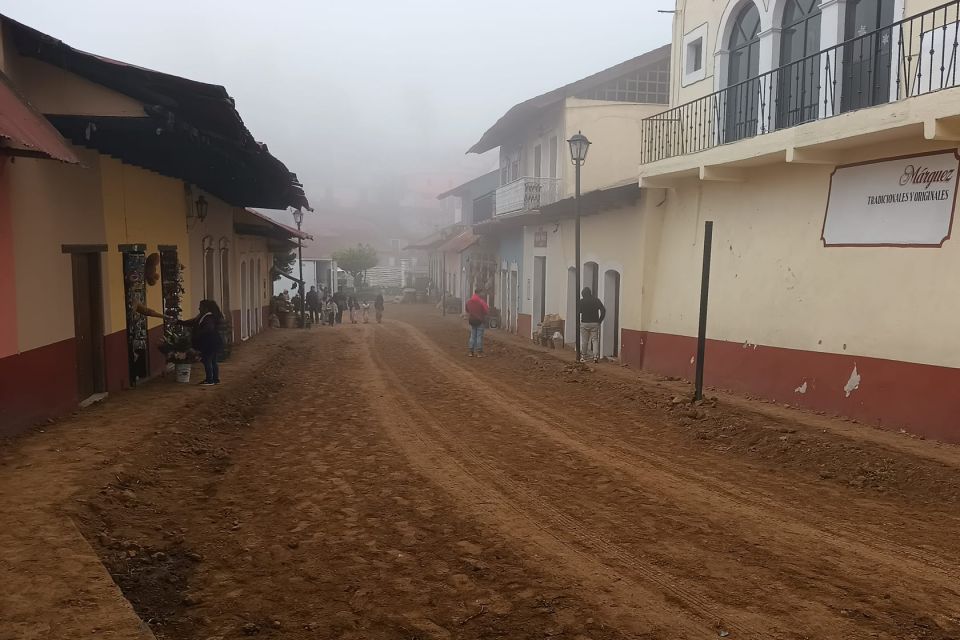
pixel 298 218
pixel 579 145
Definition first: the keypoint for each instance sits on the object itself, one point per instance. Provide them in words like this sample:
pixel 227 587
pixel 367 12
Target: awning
pixel 25 132
pixel 591 203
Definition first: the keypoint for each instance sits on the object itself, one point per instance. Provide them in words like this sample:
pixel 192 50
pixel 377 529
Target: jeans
pixel 476 339
pixel 210 367
pixel 590 339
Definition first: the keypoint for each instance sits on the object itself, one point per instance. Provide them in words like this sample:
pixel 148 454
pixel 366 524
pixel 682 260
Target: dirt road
pixel 384 485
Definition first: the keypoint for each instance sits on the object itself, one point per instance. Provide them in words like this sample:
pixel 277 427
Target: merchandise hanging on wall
pixel 134 266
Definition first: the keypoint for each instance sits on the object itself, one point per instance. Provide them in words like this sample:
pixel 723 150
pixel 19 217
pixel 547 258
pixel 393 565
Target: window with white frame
pixel 694 55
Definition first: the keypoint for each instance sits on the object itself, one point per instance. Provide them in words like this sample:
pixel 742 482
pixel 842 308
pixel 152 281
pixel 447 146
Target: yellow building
pixel 87 245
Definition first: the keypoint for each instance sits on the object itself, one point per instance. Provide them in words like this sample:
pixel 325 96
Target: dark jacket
pixel 313 300
pixel 591 309
pixel 205 336
pixel 378 303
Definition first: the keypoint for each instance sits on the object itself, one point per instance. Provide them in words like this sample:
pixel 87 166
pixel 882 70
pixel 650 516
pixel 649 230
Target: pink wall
pixel 8 292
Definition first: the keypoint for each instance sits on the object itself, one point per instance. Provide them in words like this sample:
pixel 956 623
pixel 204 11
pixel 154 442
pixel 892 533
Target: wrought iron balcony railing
pixel 527 194
pixel 914 56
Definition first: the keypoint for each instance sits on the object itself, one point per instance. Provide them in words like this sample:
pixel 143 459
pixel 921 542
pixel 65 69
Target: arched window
pixel 742 97
pixel 225 277
pixel 208 277
pixel 798 90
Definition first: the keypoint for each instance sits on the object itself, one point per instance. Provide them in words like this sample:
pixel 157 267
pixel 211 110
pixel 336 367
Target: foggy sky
pixel 353 92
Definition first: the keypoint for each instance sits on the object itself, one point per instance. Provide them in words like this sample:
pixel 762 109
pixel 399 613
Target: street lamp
pixel 298 218
pixel 579 145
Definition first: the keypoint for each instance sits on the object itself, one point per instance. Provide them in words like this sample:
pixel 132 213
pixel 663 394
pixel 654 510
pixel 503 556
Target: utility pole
pixel 704 298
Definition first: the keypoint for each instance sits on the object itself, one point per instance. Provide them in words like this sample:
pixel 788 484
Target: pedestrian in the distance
pixel 330 312
pixel 592 312
pixel 477 311
pixel 206 339
pixel 341 301
pixel 353 307
pixel 365 311
pixel 378 307
pixel 313 305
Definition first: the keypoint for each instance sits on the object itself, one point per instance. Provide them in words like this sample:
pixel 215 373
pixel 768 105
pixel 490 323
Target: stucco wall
pixel 539 132
pixel 8 285
pixel 54 91
pixel 217 228
pixel 44 219
pixel 615 131
pixel 141 207
pixel 773 282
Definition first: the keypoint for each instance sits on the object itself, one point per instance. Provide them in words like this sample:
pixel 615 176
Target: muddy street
pixel 371 481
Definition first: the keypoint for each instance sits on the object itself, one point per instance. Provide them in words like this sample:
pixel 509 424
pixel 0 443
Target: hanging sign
pixel 902 202
pixel 540 238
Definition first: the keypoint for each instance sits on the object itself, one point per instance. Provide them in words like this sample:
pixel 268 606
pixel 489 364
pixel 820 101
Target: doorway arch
pixel 610 332
pixel 591 277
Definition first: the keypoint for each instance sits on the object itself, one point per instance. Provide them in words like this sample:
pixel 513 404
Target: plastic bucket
pixel 183 372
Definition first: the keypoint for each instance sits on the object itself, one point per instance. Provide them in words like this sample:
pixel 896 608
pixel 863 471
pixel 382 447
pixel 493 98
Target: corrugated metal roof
pixel 25 131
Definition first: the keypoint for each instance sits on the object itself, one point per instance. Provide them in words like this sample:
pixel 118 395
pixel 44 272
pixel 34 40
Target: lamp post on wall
pixel 579 145
pixel 298 218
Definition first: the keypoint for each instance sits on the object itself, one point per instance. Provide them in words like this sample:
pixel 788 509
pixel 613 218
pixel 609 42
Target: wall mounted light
pixel 201 206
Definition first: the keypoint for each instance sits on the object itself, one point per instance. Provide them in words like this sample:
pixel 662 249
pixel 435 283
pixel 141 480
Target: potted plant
pixel 178 348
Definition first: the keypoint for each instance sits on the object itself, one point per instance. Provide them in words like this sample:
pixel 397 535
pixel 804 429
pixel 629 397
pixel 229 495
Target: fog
pixel 368 96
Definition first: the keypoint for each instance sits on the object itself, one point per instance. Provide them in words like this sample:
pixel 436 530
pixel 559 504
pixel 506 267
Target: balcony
pixel 527 194
pixel 913 57
pixel 483 207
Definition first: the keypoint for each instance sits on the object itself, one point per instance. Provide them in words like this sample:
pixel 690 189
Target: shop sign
pixel 540 238
pixel 900 202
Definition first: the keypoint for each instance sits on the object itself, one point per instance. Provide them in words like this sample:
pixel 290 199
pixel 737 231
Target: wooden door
pixel 88 323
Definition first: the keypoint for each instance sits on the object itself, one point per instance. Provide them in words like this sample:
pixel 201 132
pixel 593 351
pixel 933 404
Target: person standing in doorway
pixel 592 312
pixel 378 307
pixel 313 305
pixel 206 339
pixel 477 311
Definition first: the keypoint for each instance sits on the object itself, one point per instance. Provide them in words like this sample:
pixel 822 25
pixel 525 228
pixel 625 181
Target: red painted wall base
pixel 893 394
pixel 36 385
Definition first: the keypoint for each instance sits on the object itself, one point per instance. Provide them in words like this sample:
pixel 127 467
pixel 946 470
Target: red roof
pixel 459 243
pixel 303 235
pixel 25 131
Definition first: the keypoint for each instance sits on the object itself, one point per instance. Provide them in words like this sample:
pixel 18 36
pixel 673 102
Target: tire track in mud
pixel 521 515
pixel 792 525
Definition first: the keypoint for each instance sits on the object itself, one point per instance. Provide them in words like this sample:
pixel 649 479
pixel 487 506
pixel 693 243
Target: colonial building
pixel 820 137
pixel 531 221
pixel 114 225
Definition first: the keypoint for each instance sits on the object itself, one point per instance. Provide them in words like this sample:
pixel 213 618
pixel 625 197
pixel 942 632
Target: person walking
pixel 592 312
pixel 365 311
pixel 353 307
pixel 206 339
pixel 378 307
pixel 340 299
pixel 313 305
pixel 330 311
pixel 477 311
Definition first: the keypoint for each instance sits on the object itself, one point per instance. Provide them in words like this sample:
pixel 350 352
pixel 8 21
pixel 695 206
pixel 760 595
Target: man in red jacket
pixel 477 311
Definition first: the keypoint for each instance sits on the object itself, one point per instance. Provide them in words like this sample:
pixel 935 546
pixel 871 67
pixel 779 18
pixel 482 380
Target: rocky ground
pixel 371 481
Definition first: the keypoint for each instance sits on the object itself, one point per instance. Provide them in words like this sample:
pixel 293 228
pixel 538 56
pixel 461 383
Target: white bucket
pixel 183 372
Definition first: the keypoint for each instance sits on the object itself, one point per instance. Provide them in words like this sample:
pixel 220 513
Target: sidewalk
pixel 54 585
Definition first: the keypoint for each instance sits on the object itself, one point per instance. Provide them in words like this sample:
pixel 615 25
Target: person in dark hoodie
pixel 207 339
pixel 477 311
pixel 592 312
